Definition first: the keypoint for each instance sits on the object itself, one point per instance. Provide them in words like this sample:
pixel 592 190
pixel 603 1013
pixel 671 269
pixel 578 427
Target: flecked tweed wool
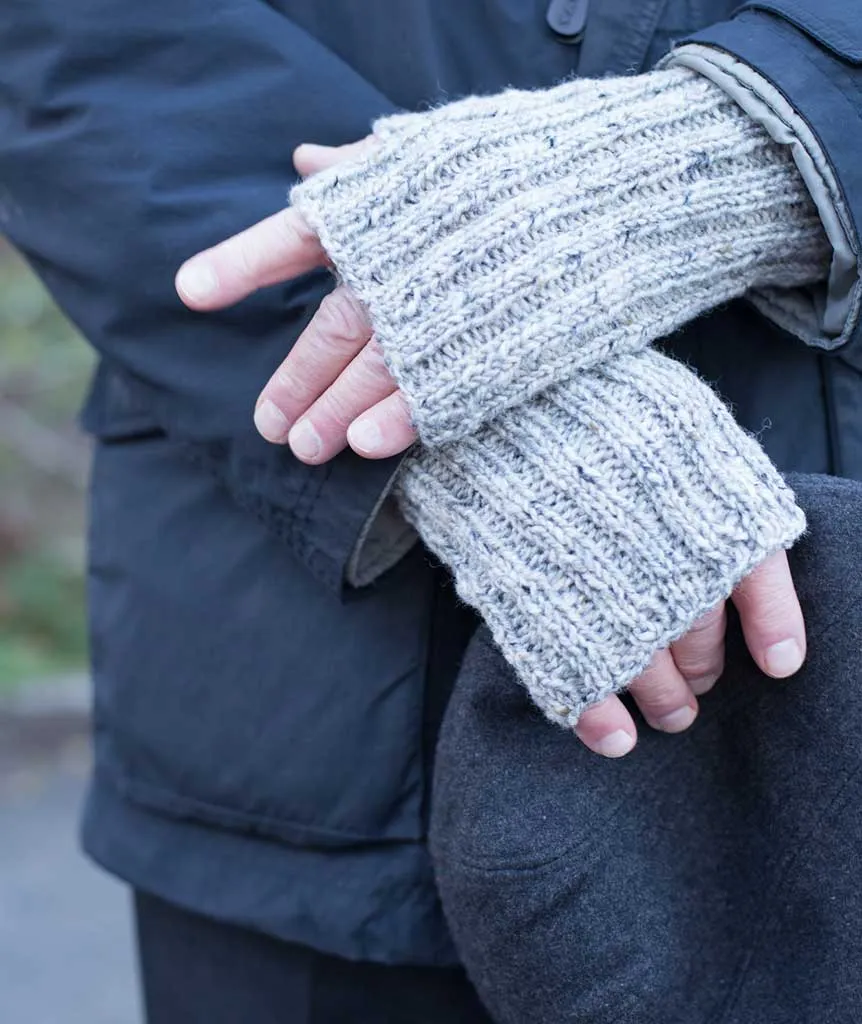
pixel 517 255
pixel 503 243
pixel 592 526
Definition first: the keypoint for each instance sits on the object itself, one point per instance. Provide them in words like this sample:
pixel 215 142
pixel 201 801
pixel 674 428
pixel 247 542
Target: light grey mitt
pixel 503 243
pixel 517 254
pixel 594 525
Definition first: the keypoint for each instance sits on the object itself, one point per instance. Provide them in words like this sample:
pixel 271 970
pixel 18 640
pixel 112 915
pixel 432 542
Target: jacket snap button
pixel 567 19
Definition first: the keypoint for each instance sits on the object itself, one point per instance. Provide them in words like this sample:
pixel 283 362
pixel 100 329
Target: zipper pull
pixel 567 19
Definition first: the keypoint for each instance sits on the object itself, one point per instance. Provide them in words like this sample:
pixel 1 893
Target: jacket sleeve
pixel 131 136
pixel 796 67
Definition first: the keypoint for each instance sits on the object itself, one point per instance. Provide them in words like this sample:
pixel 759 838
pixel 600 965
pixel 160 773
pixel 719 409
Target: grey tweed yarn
pixel 518 254
pixel 503 243
pixel 595 524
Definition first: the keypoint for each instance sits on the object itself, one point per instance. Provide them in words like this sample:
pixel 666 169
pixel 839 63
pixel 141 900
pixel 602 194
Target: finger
pixel 699 655
pixel 338 331
pixel 273 250
pixel 664 697
pixel 322 431
pixel 309 158
pixel 771 617
pixel 386 429
pixel 607 728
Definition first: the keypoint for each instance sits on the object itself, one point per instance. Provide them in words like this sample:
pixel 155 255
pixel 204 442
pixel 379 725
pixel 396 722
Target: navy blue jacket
pixel 263 730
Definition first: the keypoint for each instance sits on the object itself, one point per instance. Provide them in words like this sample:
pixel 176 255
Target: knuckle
pixel 339 318
pixel 658 698
pixel 657 692
pixel 335 408
pixel 700 664
pixel 290 379
pixel 768 589
pixel 294 230
pixel 702 668
pixel 374 358
pixel 762 594
pixel 701 651
pixel 694 658
pixel 712 620
pixel 401 414
pixel 770 613
pixel 369 370
pixel 294 387
pixel 403 407
pixel 247 259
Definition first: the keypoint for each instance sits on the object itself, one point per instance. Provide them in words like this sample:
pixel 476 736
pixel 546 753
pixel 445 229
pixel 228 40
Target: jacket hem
pixel 274 887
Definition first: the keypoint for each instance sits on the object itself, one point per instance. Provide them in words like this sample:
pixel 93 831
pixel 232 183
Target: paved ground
pixel 65 934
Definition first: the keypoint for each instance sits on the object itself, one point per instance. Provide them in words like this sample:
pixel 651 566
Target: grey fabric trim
pixel 826 316
pixel 383 541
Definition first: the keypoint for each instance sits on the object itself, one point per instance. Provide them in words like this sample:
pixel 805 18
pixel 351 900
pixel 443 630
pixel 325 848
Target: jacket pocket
pixel 231 687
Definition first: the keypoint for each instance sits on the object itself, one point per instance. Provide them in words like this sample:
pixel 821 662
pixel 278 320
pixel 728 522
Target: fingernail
pixel 271 422
pixel 197 281
pixel 305 440
pixel 703 685
pixel 615 744
pixel 312 149
pixel 677 720
pixel 365 435
pixel 783 659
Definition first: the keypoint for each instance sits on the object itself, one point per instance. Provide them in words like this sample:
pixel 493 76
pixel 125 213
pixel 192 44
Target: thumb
pixel 309 158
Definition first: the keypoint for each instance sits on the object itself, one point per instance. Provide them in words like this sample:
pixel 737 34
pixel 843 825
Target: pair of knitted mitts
pixel 518 254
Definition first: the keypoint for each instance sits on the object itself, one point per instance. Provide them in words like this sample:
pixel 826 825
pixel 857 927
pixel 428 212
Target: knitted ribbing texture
pixel 594 525
pixel 503 243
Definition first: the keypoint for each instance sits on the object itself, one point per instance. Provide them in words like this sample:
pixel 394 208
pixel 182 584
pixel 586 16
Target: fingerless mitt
pixel 504 243
pixel 594 525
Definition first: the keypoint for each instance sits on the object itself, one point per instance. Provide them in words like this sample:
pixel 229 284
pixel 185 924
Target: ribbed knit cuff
pixel 594 525
pixel 504 243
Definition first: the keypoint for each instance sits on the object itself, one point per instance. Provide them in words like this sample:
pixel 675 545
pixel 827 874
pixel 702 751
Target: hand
pixel 667 691
pixel 333 389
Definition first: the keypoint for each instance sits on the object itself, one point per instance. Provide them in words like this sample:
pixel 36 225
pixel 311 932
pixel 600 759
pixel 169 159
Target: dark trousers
pixel 198 971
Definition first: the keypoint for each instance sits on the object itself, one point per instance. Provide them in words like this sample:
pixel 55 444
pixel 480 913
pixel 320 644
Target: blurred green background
pixel 44 371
